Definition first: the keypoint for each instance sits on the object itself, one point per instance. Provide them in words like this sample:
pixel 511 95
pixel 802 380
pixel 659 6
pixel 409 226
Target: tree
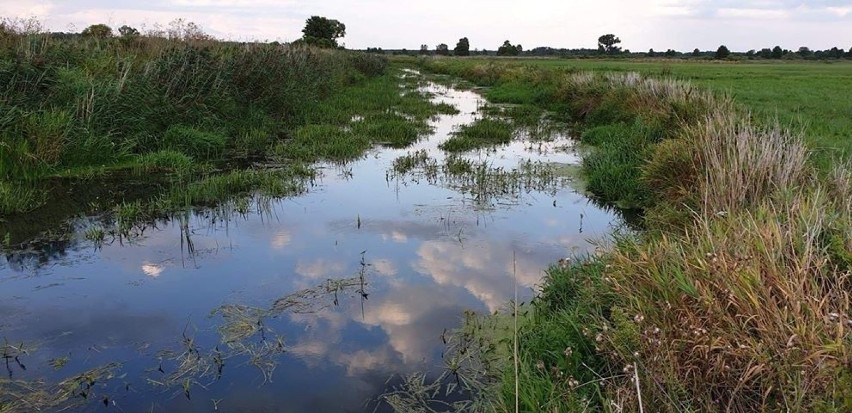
pixel 696 53
pixel 607 43
pixel 507 49
pixel 836 52
pixel 777 52
pixel 462 47
pixel 765 53
pixel 671 53
pixel 804 52
pixel 652 53
pixel 442 49
pixel 127 31
pixel 99 31
pixel 424 49
pixel 722 52
pixel 323 32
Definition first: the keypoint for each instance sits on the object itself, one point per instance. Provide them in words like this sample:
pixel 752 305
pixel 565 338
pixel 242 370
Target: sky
pixel 393 24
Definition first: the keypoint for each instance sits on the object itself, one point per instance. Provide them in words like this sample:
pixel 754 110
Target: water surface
pixel 407 255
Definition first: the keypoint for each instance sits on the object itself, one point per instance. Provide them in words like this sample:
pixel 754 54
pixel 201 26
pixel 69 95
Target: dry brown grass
pixel 745 312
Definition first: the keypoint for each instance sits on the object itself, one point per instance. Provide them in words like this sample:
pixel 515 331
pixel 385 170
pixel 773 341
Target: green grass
pixel 390 129
pixel 194 143
pixel 77 106
pixel 167 160
pixel 322 141
pixel 482 133
pixel 378 111
pixel 613 167
pixel 808 96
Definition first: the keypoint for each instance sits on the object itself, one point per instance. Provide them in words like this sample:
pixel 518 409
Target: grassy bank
pixel 736 295
pixel 213 121
pixel 77 106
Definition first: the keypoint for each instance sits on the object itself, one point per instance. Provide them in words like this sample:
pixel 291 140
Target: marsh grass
pixel 414 160
pixel 390 129
pixel 482 133
pixel 71 104
pixel 377 112
pixel 166 160
pixel 480 181
pixel 71 393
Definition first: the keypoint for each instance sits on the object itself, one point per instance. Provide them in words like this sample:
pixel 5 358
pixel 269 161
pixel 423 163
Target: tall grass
pixel 75 102
pixel 736 297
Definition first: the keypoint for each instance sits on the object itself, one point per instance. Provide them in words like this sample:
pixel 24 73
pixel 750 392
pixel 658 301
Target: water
pixel 415 254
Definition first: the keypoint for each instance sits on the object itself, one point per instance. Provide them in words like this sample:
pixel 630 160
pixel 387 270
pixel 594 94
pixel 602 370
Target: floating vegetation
pixel 59 363
pixel 73 392
pixel 480 180
pixel 11 354
pixel 244 334
pixel 475 357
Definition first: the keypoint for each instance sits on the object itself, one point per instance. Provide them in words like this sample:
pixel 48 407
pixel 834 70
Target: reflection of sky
pixel 429 256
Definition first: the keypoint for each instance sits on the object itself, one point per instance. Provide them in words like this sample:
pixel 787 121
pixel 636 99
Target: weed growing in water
pixel 484 184
pixel 406 163
pixel 481 133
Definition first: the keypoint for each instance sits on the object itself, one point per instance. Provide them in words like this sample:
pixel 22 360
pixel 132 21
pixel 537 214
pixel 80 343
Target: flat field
pixel 815 97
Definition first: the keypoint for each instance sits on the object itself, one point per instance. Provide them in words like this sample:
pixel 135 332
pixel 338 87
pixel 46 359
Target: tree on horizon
pixel 607 44
pixel 323 32
pixel 462 47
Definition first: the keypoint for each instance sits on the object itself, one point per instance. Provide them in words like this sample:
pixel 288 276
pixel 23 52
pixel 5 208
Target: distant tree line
pixel 608 45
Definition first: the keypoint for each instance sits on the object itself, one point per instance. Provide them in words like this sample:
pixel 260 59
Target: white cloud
pixel 385 267
pixel 485 271
pixel 281 239
pixel 153 270
pixel 320 269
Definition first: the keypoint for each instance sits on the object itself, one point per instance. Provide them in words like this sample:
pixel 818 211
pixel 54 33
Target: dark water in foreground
pixel 407 257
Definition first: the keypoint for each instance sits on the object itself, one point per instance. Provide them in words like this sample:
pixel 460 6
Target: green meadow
pixel 809 97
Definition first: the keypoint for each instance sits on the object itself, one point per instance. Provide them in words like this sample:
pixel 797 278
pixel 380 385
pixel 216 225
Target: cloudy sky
pixel 641 24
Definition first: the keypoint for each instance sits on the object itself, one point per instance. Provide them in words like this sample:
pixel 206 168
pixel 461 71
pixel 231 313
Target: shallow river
pixel 406 256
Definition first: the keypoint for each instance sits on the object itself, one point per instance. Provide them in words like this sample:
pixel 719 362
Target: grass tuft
pixel 479 134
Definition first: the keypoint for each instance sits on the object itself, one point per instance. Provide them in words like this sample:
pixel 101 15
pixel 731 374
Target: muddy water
pixel 407 256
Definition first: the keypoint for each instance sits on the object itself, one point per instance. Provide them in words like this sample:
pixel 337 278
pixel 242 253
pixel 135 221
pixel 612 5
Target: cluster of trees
pixel 178 29
pixel 319 31
pixel 508 49
pixel 608 44
pixel 778 53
